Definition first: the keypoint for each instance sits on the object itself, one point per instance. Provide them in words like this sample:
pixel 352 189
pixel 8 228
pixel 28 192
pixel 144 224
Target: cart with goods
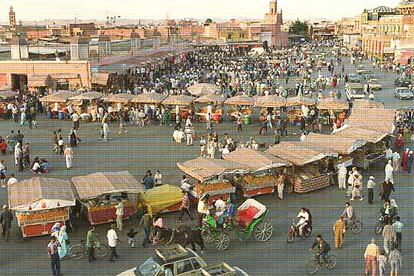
pixel 162 199
pixel 39 203
pixel 310 162
pixel 215 189
pixel 210 174
pixel 250 221
pixel 100 193
pixel 264 167
pixel 254 185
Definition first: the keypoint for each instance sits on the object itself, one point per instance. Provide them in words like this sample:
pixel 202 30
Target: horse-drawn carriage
pixel 250 220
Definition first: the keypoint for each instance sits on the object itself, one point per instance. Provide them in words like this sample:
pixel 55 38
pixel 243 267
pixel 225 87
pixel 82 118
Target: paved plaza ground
pixel 152 148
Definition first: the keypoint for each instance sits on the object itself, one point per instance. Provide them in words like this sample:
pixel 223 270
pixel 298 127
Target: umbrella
pixel 149 98
pixel 212 98
pixel 270 101
pixel 119 98
pixel 295 101
pixel 240 100
pixel 201 89
pixel 178 100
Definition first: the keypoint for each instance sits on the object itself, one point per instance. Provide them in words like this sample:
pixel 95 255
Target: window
pixel 184 266
pixel 196 264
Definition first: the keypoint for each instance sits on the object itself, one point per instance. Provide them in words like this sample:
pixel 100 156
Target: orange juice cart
pixel 39 203
pixel 99 193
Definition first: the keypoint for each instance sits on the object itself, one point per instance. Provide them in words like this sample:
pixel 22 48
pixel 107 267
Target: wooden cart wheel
pixel 263 231
pixel 207 236
pixel 222 241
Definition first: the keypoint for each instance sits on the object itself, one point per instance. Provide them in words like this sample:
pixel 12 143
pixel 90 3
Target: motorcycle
pixel 293 232
pixel 382 221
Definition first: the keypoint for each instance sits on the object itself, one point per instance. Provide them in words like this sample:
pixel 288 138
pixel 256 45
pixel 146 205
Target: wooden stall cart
pixel 40 203
pixel 99 193
pixel 264 169
pixel 305 158
pixel 210 173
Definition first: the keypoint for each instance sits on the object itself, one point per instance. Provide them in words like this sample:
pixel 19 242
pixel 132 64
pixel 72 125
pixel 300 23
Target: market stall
pixel 5 97
pixel 202 89
pixel 375 119
pixel 99 193
pixel 216 100
pixel 86 104
pixel 371 152
pixel 264 170
pixel 243 105
pixel 39 203
pixel 358 103
pixel 56 103
pixel 333 111
pixel 310 163
pixel 294 107
pixel 148 98
pixel 161 199
pixel 211 174
pixel 182 105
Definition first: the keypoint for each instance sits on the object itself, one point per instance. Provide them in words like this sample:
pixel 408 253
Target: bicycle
pixel 314 265
pixel 79 251
pixel 355 226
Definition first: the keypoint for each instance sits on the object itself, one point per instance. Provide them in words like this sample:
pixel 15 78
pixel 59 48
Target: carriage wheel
pixel 263 231
pixel 222 241
pixel 207 236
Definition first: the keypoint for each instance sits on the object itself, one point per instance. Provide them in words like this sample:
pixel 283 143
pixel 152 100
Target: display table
pixel 251 185
pixel 215 190
pixel 305 185
pixel 106 213
pixel 40 223
pixel 367 160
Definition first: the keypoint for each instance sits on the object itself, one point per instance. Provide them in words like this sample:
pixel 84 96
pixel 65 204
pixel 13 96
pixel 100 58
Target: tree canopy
pixel 299 27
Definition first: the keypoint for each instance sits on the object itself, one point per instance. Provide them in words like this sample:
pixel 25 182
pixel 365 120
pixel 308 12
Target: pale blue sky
pixel 86 9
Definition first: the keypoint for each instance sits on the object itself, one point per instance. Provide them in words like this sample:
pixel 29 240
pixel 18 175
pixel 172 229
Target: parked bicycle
pixel 314 264
pixel 79 251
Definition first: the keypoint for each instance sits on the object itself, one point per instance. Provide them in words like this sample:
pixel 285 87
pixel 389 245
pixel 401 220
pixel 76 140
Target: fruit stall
pixel 39 203
pixel 211 175
pixel 170 201
pixel 100 193
pixel 240 105
pixel 371 152
pixel 56 103
pixel 310 165
pixel 263 168
pixel 182 104
pixel 333 111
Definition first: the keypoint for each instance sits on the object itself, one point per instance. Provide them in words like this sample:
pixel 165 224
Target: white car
pixel 403 93
pixel 355 91
pixel 374 84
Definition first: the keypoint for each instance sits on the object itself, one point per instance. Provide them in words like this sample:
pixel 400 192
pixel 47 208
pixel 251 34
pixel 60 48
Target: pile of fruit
pixel 214 188
pixel 259 181
pixel 97 208
pixel 42 216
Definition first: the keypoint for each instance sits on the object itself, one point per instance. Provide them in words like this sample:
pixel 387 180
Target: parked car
pixel 362 70
pixel 355 91
pixel 175 260
pixel 353 78
pixel 403 82
pixel 403 93
pixel 374 84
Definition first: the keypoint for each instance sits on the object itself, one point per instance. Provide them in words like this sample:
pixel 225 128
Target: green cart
pixel 250 221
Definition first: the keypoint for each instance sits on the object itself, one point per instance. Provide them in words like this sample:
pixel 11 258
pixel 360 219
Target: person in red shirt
pixel 185 207
pixel 399 142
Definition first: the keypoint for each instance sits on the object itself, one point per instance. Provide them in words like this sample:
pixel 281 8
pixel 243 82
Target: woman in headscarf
pixel 404 159
pixel 55 230
pixel 63 240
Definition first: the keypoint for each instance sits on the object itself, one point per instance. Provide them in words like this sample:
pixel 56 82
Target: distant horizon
pixel 45 10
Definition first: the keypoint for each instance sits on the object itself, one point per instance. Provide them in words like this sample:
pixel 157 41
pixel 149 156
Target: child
pixel 382 261
pixel 131 237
